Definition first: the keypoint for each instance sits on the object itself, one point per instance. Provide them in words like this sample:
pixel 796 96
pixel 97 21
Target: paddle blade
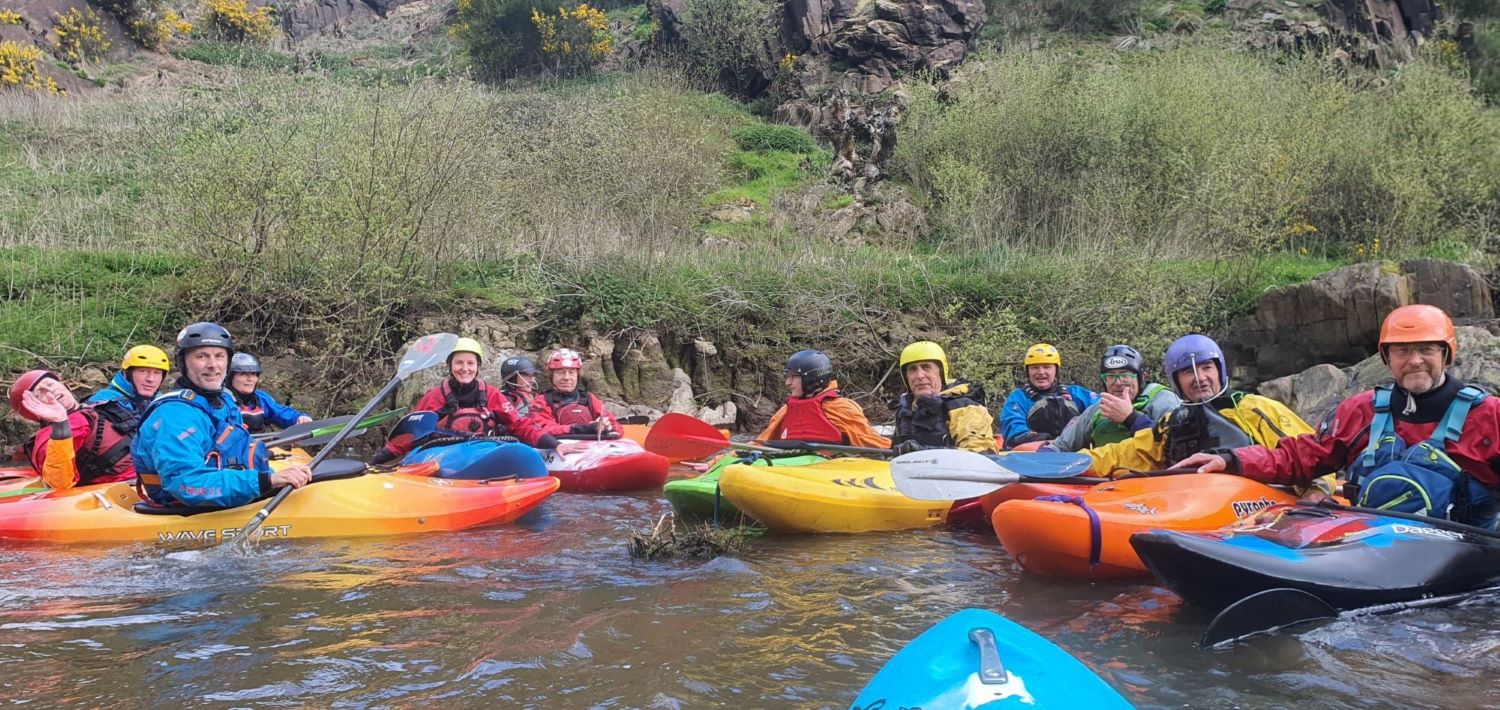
pixel 1043 464
pixel 947 474
pixel 1265 611
pixel 679 436
pixel 427 351
pixel 323 435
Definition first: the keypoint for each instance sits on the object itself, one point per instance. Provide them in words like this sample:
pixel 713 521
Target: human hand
pixel 304 419
pixel 46 409
pixel 1204 463
pixel 1116 409
pixel 294 476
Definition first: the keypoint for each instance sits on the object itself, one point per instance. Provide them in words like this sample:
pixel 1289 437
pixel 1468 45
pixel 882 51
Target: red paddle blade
pixel 679 436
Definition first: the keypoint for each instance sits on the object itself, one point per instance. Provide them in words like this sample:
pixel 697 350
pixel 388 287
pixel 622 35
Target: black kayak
pixel 1348 557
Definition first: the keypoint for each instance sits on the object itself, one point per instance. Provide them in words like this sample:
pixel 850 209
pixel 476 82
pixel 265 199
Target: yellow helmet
pixel 148 356
pixel 1042 354
pixel 922 351
pixel 467 345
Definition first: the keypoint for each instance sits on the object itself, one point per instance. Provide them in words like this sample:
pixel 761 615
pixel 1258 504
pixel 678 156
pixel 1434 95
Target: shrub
pixel 10 17
pixel 725 42
pixel 150 22
pixel 573 39
pixel 80 35
pixel 766 137
pixel 18 68
pixel 234 21
pixel 499 36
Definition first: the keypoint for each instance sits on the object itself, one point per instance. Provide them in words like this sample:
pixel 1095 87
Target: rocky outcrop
pixel 1335 318
pixel 884 214
pixel 305 18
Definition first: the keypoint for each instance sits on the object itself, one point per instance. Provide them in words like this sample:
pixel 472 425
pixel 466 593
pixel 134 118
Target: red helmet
pixel 22 385
pixel 565 359
pixel 1418 323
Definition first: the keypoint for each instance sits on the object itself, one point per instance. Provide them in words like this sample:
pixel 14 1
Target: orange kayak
pixel 1063 538
pixel 1028 491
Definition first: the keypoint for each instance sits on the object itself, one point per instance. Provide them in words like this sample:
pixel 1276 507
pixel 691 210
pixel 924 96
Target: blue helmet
pixel 1187 352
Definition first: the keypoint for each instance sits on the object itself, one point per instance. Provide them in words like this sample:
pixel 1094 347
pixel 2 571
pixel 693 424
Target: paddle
pixel 794 445
pixel 1274 609
pixel 319 432
pixel 429 350
pixel 955 474
pixel 679 436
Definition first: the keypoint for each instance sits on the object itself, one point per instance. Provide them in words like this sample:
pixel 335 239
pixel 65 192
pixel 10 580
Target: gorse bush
pixel 150 22
pixel 19 69
pixel 725 42
pixel 80 35
pixel 499 36
pixel 234 21
pixel 573 39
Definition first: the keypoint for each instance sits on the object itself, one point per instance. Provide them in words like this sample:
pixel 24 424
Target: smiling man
pixel 1127 405
pixel 938 410
pixel 1427 444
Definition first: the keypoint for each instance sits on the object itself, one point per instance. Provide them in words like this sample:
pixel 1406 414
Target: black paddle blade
pixel 1265 611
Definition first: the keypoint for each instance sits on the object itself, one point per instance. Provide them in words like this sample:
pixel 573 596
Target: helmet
pixel 1042 354
pixel 1189 350
pixel 148 356
pixel 922 351
pixel 565 359
pixel 1122 357
pixel 518 365
pixel 1419 323
pixel 244 362
pixel 202 335
pixel 22 385
pixel 815 369
pixel 467 345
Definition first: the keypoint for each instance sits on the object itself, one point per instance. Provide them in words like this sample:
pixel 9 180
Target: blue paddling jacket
pixel 192 450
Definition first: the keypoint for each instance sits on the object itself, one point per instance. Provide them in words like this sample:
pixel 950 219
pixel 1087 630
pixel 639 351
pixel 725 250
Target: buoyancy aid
pixel 1195 428
pixel 805 420
pixel 925 419
pixel 1103 430
pixel 251 411
pixel 1051 410
pixel 105 456
pixel 233 447
pixel 474 420
pixel 576 407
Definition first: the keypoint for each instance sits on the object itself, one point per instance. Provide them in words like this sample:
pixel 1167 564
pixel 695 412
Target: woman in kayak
pixel 193 447
pixel 1434 450
pixel 567 408
pixel 141 373
pixel 815 409
pixel 77 445
pixel 1127 405
pixel 1039 409
pixel 257 406
pixel 938 410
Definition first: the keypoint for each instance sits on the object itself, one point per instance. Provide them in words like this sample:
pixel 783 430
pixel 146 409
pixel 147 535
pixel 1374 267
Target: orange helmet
pixel 1418 323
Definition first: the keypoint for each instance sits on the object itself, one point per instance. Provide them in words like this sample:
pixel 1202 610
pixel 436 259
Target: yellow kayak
pixel 846 495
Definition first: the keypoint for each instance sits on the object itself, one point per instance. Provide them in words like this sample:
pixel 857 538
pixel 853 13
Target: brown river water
pixel 552 613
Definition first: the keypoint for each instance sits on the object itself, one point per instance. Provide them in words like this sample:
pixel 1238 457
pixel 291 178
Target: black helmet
pixel 815 369
pixel 518 365
pixel 244 362
pixel 202 335
pixel 1122 357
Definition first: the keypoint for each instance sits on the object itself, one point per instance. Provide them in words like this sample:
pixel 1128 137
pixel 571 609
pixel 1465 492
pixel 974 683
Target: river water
pixel 552 613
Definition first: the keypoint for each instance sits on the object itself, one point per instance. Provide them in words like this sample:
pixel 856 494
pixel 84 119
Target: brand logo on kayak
pixel 220 534
pixel 858 483
pixel 1140 508
pixel 1429 532
pixel 1247 508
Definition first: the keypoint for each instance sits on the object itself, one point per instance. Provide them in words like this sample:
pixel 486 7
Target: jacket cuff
pixel 62 429
pixel 546 441
pixel 265 482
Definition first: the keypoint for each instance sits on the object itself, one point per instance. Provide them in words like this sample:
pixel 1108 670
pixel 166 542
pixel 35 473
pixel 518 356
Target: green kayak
pixel 693 499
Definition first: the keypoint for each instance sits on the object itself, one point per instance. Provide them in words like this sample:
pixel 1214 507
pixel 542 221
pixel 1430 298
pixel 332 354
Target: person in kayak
pixel 465 405
pixel 142 371
pixel 815 409
pixel 1426 444
pixel 1127 405
pixel 938 410
pixel 77 445
pixel 192 447
pixel 1039 409
pixel 1213 416
pixel 567 408
pixel 257 407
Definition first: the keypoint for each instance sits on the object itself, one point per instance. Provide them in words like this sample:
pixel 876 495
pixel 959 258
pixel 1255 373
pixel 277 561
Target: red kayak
pixel 617 465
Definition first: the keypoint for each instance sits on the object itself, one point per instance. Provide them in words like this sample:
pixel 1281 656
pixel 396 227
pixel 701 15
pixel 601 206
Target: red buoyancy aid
pixel 105 456
pixel 477 420
pixel 805 420
pixel 578 410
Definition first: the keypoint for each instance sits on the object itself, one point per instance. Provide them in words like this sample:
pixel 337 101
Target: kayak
pixel 14 479
pixel 1347 558
pixel 695 498
pixel 1089 535
pixel 1027 491
pixel 847 495
pixel 348 506
pixel 21 479
pixel 480 459
pixel 614 465
pixel 979 659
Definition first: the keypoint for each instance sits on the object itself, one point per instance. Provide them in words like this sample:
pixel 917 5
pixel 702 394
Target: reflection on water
pixel 552 613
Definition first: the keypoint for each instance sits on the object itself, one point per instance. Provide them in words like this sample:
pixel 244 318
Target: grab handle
pixel 990 670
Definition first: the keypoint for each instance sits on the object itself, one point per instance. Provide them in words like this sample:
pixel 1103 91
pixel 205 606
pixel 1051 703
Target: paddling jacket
pixel 120 390
pixel 827 417
pixel 1092 428
pixel 491 414
pixel 91 446
pixel 1345 438
pixel 259 408
pixel 192 451
pixel 1233 419
pixel 570 413
pixel 955 417
pixel 1028 410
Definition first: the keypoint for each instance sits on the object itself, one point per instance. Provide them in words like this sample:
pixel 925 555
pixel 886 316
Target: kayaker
pixel 257 407
pixel 1434 452
pixel 1127 405
pixel 567 408
pixel 465 405
pixel 142 371
pixel 939 410
pixel 1213 417
pixel 1040 408
pixel 815 409
pixel 77 445
pixel 193 447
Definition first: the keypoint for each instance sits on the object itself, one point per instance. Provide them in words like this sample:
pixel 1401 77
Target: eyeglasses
pixel 1403 351
pixel 1116 376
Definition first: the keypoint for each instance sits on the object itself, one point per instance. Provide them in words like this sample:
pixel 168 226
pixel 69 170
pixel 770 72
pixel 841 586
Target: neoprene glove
pixel 907 447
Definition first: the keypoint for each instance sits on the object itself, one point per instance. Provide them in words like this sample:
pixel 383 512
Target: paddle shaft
pixel 795 445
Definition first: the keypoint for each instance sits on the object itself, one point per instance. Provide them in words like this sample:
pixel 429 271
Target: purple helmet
pixel 1187 352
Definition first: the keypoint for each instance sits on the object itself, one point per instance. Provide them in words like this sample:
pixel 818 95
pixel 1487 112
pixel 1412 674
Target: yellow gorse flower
pixel 583 30
pixel 10 17
pixel 234 20
pixel 18 68
pixel 80 35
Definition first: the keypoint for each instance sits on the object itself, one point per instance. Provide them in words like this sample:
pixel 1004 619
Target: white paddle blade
pixel 948 474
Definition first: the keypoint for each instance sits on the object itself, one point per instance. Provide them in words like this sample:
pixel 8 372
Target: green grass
pixel 759 174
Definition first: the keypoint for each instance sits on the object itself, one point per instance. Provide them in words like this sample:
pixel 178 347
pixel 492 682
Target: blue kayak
pixel 978 659
pixel 479 459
